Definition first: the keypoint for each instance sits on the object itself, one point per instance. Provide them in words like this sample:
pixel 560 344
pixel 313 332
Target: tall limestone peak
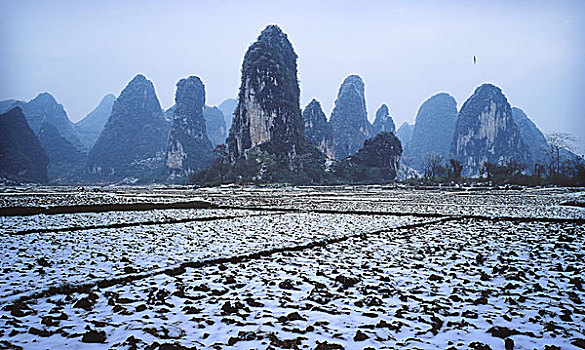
pixel 22 159
pixel 377 162
pixel 56 134
pixel 228 108
pixel 7 105
pixel 189 148
pixel 215 125
pixel 90 127
pixel 349 118
pixel 533 138
pixel 404 133
pixel 485 131
pixel 268 115
pixel 317 130
pixel 383 121
pixel 43 108
pixel 433 129
pixel 132 144
pixel 64 157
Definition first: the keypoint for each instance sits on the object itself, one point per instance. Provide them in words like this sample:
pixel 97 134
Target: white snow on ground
pixel 84 255
pixel 13 224
pixel 464 283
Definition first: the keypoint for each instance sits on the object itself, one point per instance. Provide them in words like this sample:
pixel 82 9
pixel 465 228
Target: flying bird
pixel 474 59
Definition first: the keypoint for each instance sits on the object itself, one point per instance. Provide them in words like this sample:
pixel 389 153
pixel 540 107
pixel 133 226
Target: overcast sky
pixel 405 51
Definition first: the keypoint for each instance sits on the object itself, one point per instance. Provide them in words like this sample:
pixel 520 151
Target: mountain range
pixel 263 135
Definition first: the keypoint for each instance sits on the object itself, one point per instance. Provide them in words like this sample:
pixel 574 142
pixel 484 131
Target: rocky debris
pixel 485 132
pixel 42 261
pixel 233 307
pixel 347 281
pixel 87 302
pixel 253 303
pixel 285 343
pixel 476 345
pixel 551 347
pixel 435 278
pixel 436 324
pixel 287 284
pixel 502 332
pixel 349 118
pixel 18 309
pixel 5 344
pixel 328 346
pixel 165 332
pixel 509 344
pixel 40 332
pixel 51 321
pixel 169 346
pixel 360 336
pixel 293 316
pixel 94 336
pixel 157 296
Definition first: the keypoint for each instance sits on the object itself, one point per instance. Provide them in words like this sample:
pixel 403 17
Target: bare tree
pixel 432 165
pixel 222 158
pixel 455 169
pixel 556 142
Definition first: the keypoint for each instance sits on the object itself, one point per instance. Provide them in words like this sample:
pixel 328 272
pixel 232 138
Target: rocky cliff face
pixel 404 134
pixel 383 121
pixel 189 148
pixel 43 108
pixel 132 144
pixel 433 129
pixel 215 125
pixel 317 130
pixel 59 138
pixel 268 116
pixel 377 162
pixel 22 159
pixel 90 127
pixel 228 108
pixel 64 157
pixel 532 136
pixel 485 132
pixel 349 118
pixel 7 105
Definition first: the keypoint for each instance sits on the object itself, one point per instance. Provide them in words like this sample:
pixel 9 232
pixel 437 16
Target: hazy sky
pixel 405 51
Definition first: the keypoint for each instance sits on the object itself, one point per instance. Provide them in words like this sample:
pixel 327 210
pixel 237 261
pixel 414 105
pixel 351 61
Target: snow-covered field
pixel 325 268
